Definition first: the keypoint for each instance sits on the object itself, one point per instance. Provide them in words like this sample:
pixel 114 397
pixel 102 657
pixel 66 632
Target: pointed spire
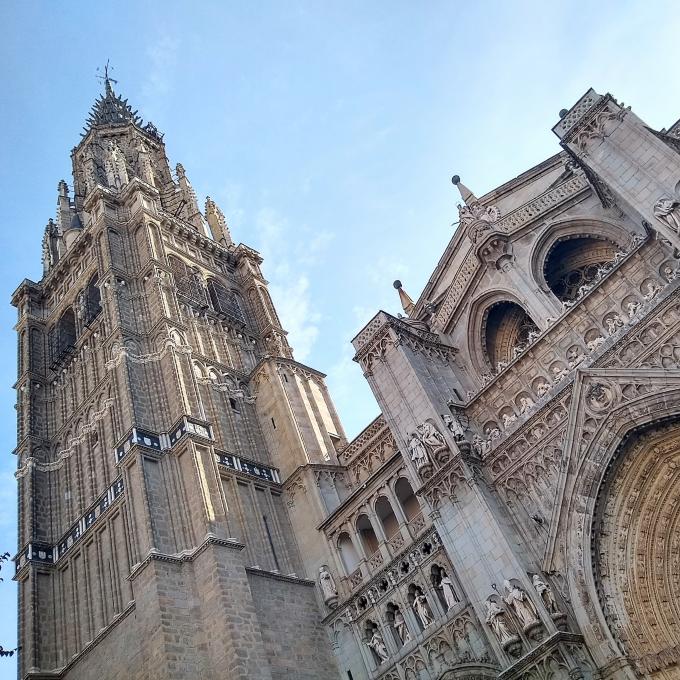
pixel 217 222
pixel 468 197
pixel 407 303
pixel 189 201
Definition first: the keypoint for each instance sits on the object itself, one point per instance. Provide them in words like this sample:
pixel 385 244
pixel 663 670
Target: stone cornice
pixel 288 578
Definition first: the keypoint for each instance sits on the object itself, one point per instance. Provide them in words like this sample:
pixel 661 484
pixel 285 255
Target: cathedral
pixel 190 507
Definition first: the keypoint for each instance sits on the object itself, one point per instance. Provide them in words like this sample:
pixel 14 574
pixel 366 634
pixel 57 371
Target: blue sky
pixel 327 133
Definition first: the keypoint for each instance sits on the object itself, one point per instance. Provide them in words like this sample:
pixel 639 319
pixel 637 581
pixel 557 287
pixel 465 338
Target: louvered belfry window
pixel 224 301
pixel 188 282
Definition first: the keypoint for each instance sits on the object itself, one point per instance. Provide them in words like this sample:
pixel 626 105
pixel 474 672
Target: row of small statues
pixel 503 626
pixel 613 323
pixel 421 609
pixel 522 607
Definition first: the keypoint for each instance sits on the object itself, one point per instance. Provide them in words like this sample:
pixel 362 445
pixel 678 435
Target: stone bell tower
pixel 160 410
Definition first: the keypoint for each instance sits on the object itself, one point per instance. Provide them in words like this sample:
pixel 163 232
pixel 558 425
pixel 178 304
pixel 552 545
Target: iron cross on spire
pixel 106 78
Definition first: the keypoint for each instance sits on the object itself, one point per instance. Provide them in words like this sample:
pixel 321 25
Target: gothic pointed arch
pixel 499 326
pixel 617 517
pixel 568 255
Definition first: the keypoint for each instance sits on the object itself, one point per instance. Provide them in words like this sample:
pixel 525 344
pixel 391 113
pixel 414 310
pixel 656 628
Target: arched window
pixel 407 499
pixel 92 301
pixel 188 282
pixel 348 553
pixel 387 517
pixel 62 337
pixel 368 538
pixel 224 301
pixel 574 262
pixel 506 327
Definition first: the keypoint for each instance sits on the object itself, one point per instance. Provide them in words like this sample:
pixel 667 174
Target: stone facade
pixel 189 506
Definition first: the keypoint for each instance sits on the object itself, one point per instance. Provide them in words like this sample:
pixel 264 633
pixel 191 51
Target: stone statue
pixel 559 373
pixel 431 437
pixel 542 388
pixel 525 404
pixel 546 594
pixel 422 610
pixel 593 344
pixel 377 644
pixel 465 215
pixel 449 593
pixel 400 627
pixel 666 210
pixel 494 433
pixel 453 425
pixel 533 335
pixel 418 453
pixel 633 306
pixel 669 273
pixel 116 169
pixel 481 445
pixel 508 419
pixel 327 584
pixel 575 357
pixel 144 164
pixel 653 289
pixel 495 619
pixel 614 323
pixel 523 607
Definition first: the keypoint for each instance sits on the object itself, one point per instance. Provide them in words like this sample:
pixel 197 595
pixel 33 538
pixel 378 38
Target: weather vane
pixel 106 78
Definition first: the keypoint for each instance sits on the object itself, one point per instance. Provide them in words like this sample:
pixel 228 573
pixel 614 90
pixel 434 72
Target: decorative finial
pixel 465 193
pixel 407 303
pixel 562 113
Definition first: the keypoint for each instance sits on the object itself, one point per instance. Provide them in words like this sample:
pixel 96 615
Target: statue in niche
pixel 431 437
pixel 614 323
pixel 422 610
pixel 633 306
pixel 575 357
pixel 327 584
pixel 400 627
pixel 593 344
pixel 669 273
pixel 116 169
pixel 546 594
pixel 418 453
pixel 494 433
pixel 454 426
pixel 653 289
pixel 495 619
pixel 481 445
pixel 666 210
pixel 525 404
pixel 520 603
pixel 449 593
pixel 377 644
pixel 144 163
pixel 508 419
pixel 559 373
pixel 542 388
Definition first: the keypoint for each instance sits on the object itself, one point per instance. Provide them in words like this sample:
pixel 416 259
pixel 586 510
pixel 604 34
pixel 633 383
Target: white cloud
pixel 288 259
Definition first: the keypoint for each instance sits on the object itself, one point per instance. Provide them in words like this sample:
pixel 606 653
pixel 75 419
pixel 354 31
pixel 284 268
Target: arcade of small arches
pixel 390 519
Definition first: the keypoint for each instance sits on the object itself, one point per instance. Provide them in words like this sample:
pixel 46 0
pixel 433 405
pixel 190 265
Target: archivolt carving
pixel 637 548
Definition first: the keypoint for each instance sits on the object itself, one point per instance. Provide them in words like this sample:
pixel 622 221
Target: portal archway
pixel 636 541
